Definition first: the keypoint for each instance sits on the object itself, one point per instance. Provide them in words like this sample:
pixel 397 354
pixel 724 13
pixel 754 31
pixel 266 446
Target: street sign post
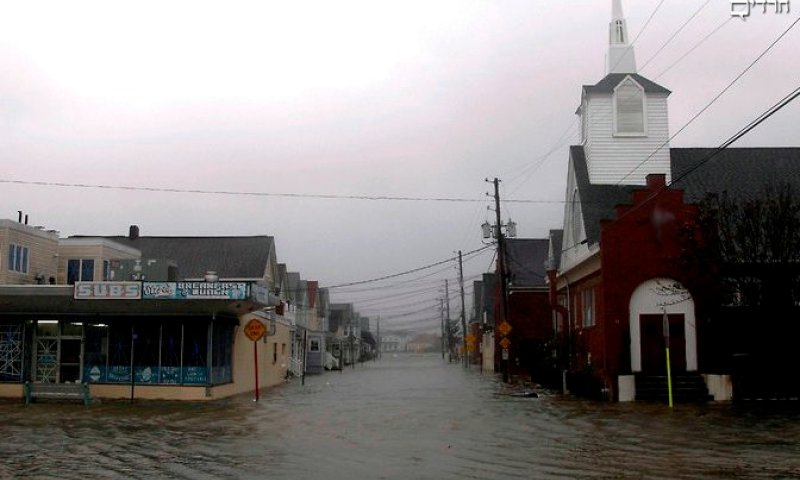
pixel 255 330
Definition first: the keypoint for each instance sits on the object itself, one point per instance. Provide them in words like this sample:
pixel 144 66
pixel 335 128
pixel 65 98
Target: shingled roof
pixel 230 257
pixel 742 173
pixel 556 240
pixel 597 201
pixel 610 82
pixel 525 259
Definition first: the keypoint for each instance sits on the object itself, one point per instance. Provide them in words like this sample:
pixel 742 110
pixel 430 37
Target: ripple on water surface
pixel 410 417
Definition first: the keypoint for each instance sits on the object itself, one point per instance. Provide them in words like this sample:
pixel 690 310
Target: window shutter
pixel 630 108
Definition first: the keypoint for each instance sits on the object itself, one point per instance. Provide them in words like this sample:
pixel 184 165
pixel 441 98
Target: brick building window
pixel 17 258
pixel 587 307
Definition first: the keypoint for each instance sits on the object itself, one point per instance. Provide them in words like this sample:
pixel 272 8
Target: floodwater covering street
pixel 409 417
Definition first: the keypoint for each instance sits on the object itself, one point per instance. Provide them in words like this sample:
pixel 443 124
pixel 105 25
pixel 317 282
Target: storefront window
pixel 171 335
pixel 119 346
pixel 95 353
pixel 195 346
pixel 146 351
pixel 222 352
pixel 11 342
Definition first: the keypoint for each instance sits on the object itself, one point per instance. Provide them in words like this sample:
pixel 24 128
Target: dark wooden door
pixel 654 360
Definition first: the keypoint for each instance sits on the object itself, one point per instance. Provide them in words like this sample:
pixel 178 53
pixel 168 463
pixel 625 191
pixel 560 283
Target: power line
pixel 719 27
pixel 724 145
pixel 414 280
pixel 395 298
pixel 672 37
pixel 564 137
pixel 395 275
pixel 713 100
pixel 644 27
pixel 746 129
pixel 316 196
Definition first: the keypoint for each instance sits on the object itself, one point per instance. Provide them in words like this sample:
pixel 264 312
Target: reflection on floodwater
pixel 409 417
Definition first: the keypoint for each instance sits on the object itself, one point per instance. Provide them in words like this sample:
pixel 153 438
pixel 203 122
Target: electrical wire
pixel 414 270
pixel 715 30
pixel 724 145
pixel 672 37
pixel 316 196
pixel 713 100
pixel 644 27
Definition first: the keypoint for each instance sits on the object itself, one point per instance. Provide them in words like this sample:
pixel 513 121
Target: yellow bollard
pixel 669 379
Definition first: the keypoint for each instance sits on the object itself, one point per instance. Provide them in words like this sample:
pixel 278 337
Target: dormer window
pixel 629 104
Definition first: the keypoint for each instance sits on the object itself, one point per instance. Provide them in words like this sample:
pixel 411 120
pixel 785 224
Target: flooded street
pixel 413 417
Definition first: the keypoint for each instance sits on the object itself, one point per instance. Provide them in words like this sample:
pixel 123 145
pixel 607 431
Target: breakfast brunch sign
pixel 196 290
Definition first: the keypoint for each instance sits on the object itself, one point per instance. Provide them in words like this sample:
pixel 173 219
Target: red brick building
pixel 621 264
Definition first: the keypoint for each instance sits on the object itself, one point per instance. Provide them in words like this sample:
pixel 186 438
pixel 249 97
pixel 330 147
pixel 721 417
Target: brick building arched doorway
pixel 647 306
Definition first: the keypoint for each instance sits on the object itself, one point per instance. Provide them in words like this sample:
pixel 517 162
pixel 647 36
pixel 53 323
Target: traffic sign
pixel 471 338
pixel 254 330
pixel 504 328
pixel 505 343
pixel 505 354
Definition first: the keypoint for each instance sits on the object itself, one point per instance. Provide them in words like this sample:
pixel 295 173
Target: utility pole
pixel 447 315
pixel 441 315
pixel 501 263
pixel 464 332
pixel 380 347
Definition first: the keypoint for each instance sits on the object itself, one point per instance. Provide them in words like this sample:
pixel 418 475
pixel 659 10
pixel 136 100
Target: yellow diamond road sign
pixel 505 343
pixel 254 330
pixel 504 328
pixel 471 338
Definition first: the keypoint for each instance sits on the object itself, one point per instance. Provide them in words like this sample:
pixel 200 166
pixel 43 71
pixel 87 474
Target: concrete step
pixel 686 387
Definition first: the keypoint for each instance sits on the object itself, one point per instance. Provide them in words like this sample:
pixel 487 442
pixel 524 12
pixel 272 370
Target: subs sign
pixel 107 291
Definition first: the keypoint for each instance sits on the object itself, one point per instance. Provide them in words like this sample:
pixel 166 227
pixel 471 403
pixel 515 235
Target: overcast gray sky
pixel 412 98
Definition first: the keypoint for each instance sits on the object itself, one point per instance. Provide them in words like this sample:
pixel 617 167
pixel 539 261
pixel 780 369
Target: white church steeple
pixel 621 57
pixel 624 117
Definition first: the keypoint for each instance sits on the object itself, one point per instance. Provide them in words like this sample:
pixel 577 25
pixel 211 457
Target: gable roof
pixel 556 243
pixel 525 260
pixel 230 257
pixel 740 172
pixel 597 201
pixel 610 82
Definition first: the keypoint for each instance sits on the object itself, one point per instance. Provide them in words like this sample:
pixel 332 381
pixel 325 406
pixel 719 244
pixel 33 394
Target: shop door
pixel 58 351
pixel 654 360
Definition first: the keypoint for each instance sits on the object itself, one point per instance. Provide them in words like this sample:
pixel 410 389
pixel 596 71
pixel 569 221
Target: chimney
pixel 656 181
pixel 133 232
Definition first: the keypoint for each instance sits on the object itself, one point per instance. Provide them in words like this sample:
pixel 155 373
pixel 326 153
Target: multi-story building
pixel 28 254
